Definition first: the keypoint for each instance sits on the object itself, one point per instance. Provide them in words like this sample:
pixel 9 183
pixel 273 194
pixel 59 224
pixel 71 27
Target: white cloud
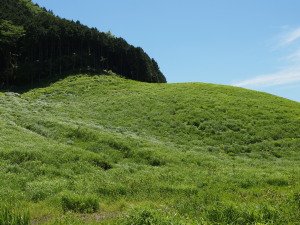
pixel 294 57
pixel 290 37
pixel 286 76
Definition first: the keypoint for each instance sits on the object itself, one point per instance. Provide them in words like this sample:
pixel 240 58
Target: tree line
pixel 35 44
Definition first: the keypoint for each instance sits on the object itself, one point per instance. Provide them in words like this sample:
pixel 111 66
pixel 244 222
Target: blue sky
pixel 248 43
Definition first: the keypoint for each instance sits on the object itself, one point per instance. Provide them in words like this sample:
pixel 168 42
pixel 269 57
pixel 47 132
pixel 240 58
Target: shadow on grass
pixel 45 82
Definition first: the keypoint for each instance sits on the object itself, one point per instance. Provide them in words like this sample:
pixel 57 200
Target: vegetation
pixel 101 149
pixel 9 217
pixel 37 46
pixel 107 150
pixel 81 204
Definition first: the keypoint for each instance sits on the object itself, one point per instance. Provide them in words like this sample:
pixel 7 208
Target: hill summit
pixel 108 150
pixel 95 148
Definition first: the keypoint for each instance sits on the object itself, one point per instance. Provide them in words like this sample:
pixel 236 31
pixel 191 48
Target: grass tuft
pixel 79 203
pixel 8 216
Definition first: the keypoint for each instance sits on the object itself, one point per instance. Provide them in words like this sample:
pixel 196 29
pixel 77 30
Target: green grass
pixel 106 150
pixel 79 203
pixel 12 217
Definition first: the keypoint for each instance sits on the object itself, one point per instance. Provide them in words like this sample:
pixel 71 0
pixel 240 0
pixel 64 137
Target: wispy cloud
pixel 290 37
pixel 287 75
pixel 294 57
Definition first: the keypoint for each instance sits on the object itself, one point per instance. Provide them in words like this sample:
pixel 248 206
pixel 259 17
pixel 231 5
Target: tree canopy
pixel 36 44
pixel 10 33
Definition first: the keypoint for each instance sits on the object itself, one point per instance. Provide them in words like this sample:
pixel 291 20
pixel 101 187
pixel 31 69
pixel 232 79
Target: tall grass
pixel 9 216
pixel 79 203
pixel 102 145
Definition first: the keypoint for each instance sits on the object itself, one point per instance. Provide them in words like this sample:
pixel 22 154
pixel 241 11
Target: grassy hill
pixel 106 150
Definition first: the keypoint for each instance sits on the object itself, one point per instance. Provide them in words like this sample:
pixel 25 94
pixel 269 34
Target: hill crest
pixel 98 146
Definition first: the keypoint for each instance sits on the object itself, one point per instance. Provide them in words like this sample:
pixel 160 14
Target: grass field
pixel 106 150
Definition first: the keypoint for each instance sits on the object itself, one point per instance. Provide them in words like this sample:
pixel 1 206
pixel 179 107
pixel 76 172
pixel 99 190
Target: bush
pixel 78 203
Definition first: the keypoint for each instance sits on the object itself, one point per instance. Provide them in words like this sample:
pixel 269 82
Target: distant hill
pixel 36 44
pixel 108 150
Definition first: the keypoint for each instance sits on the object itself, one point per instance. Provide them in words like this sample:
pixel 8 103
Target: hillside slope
pixel 177 153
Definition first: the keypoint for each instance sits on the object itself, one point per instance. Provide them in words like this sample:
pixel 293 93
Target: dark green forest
pixel 36 45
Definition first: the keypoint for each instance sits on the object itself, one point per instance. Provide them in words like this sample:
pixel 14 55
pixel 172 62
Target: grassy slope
pixel 205 153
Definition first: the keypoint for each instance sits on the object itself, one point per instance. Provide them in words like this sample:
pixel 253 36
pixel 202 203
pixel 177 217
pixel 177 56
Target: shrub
pixel 78 203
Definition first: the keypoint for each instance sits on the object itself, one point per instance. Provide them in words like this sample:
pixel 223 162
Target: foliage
pixel 53 47
pixel 8 216
pixel 78 203
pixel 150 216
pixel 9 33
